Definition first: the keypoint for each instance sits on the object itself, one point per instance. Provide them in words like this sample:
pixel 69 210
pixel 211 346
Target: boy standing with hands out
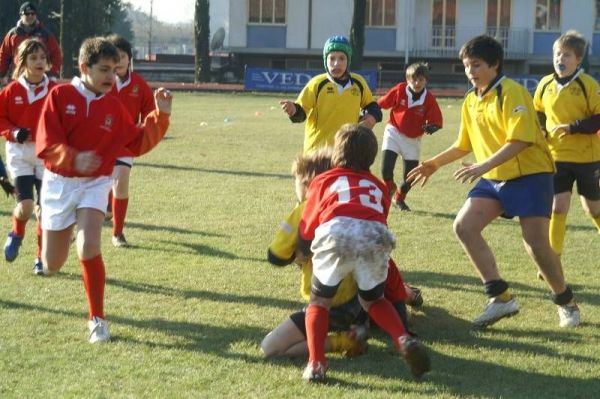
pixel 499 125
pixel 81 133
pixel 414 111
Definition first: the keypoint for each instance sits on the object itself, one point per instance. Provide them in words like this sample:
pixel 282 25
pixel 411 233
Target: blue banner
pixel 282 80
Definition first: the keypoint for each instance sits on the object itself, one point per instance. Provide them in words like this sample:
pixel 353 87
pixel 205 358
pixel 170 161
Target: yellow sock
pixel 340 342
pixel 597 223
pixel 558 227
pixel 505 296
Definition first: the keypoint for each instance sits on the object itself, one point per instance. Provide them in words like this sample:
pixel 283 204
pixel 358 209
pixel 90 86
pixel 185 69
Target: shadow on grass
pixel 171 229
pixel 215 171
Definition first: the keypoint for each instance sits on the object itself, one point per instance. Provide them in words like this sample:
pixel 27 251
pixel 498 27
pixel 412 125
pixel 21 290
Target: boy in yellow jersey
pixel 332 99
pixel 568 105
pixel 499 125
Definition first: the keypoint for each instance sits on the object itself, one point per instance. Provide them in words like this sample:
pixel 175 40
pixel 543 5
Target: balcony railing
pixel 445 41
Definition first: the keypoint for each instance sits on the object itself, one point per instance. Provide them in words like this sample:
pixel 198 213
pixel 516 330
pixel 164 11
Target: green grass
pixel 191 301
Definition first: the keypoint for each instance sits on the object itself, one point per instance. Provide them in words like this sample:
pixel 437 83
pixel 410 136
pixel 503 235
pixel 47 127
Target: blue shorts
pixel 524 196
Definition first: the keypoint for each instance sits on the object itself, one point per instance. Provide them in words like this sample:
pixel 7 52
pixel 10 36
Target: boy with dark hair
pixel 135 94
pixel 568 104
pixel 333 98
pixel 500 127
pixel 81 133
pixel 344 226
pixel 414 111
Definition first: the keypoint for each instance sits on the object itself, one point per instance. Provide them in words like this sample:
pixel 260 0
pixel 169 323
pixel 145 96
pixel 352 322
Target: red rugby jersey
pixel 21 105
pixel 136 96
pixel 407 116
pixel 74 119
pixel 343 192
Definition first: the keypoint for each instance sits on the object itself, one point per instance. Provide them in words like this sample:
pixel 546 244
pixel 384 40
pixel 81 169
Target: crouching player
pixel 81 133
pixel 343 227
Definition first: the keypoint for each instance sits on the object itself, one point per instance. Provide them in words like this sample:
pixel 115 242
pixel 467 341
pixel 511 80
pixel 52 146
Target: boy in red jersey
pixel 81 133
pixel 344 226
pixel 136 95
pixel 20 107
pixel 414 111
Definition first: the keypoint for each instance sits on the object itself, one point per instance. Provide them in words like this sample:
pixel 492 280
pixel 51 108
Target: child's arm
pixel 470 172
pixel 294 111
pixel 389 99
pixel 589 125
pixel 155 125
pixel 427 168
pixel 433 116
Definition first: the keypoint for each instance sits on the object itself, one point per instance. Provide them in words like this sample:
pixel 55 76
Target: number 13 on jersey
pixel 370 195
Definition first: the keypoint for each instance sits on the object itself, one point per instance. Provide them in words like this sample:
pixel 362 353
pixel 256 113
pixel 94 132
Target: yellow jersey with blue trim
pixel 328 106
pixel 504 113
pixel 283 247
pixel 577 99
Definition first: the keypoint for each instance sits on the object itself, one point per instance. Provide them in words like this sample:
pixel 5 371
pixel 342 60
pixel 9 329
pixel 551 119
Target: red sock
pixel 18 228
pixel 94 279
pixel 119 206
pixel 38 233
pixel 391 186
pixel 399 195
pixel 383 313
pixel 317 325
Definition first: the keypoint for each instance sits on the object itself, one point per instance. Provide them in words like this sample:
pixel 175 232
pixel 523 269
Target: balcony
pixel 445 41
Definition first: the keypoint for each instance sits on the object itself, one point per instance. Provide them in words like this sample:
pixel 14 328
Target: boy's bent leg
pixel 55 248
pixel 285 339
pixel 472 218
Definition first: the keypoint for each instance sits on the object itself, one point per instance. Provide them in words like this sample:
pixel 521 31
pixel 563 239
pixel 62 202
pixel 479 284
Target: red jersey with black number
pixel 343 192
pixel 409 116
pixel 136 96
pixel 21 105
pixel 75 119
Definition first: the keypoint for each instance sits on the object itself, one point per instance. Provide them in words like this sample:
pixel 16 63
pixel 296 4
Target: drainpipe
pixel 406 30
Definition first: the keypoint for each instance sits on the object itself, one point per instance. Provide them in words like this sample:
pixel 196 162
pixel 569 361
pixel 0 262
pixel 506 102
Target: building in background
pixel 289 34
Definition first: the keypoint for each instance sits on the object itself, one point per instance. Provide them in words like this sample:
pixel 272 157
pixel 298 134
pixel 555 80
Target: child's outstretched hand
pixel 470 172
pixel 421 173
pixel 86 162
pixel 288 107
pixel 563 130
pixel 163 99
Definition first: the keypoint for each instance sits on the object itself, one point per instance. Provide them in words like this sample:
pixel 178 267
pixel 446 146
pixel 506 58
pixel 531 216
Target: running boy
pixel 414 111
pixel 136 95
pixel 20 109
pixel 344 226
pixel 568 104
pixel 81 133
pixel 499 125
pixel 333 98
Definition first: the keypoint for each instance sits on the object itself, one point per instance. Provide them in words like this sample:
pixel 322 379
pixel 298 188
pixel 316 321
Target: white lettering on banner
pixel 269 79
pixel 287 78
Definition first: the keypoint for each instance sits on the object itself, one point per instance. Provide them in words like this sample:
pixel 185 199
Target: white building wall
pixel 579 15
pixel 219 18
pixel 297 24
pixel 238 17
pixel 470 20
pixel 330 17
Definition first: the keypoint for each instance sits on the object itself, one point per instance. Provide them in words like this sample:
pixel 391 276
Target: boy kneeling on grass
pixel 81 133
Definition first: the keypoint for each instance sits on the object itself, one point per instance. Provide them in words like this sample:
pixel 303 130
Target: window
pixel 547 15
pixel 266 11
pixel 380 13
pixel 498 20
pixel 443 24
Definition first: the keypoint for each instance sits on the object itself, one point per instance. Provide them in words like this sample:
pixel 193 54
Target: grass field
pixel 189 304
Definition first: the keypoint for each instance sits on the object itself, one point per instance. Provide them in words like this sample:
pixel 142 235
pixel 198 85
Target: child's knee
pixel 25 209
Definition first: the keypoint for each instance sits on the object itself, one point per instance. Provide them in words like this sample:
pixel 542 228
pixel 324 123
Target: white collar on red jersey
pixel 84 91
pixel 32 96
pixel 409 97
pixel 123 83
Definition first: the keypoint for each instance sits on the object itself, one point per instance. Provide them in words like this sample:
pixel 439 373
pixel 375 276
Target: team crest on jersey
pixel 330 90
pixel 70 109
pixel 403 102
pixel 135 91
pixel 355 91
pixel 18 100
pixel 108 121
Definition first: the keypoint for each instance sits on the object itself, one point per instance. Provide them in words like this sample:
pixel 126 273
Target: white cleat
pixel 98 330
pixel 496 310
pixel 569 315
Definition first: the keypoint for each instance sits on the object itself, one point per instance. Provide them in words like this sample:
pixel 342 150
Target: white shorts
pixel 409 148
pixel 61 197
pixel 21 160
pixel 345 245
pixel 127 160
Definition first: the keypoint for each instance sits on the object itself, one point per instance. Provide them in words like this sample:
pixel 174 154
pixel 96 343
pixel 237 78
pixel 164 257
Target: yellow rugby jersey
pixel 578 99
pixel 328 107
pixel 283 247
pixel 504 113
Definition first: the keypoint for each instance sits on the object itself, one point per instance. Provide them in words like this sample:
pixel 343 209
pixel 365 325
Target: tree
pixel 201 36
pixel 357 33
